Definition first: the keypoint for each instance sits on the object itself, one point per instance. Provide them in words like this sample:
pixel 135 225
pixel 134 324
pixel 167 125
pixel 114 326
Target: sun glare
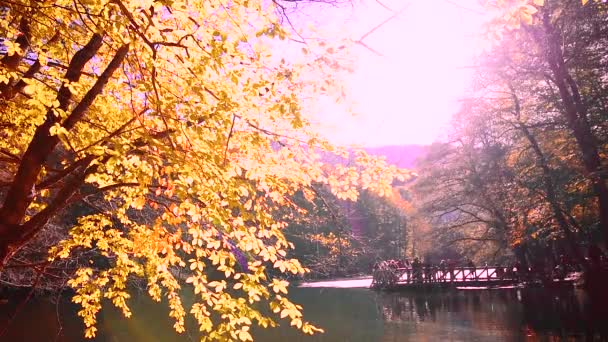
pixel 410 73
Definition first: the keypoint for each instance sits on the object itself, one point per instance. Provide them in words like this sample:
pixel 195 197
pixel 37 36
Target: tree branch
pixel 103 79
pixel 368 33
pixel 17 199
pixel 48 182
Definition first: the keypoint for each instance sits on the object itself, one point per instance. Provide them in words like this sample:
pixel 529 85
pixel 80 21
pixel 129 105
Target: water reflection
pixel 509 315
pixel 358 315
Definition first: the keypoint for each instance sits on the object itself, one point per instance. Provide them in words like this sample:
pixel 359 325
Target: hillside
pixel 403 156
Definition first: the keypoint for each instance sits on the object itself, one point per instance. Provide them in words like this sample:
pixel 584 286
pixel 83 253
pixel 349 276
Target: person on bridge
pixel 443 268
pixel 451 267
pixel 416 270
pixel 428 272
pixel 408 270
pixel 471 267
pixel 521 271
pixel 500 271
pixel 434 271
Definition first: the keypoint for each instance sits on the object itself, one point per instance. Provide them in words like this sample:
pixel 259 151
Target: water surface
pixel 350 312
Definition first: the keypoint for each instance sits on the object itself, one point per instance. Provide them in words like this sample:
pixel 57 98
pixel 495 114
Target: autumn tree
pixel 561 45
pixel 461 189
pixel 530 139
pixel 321 233
pixel 335 237
pixel 509 176
pixel 181 133
pixel 384 224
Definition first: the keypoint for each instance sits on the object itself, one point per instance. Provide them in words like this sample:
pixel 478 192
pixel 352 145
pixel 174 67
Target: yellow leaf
pixel 245 336
pixel 284 313
pixel 139 202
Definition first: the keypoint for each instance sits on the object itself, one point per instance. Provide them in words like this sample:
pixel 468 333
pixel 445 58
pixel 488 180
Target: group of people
pixel 559 268
pixel 540 269
pixel 445 271
pixel 418 271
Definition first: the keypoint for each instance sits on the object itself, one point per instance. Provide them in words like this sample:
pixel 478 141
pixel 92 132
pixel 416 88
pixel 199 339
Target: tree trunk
pixel 14 233
pixel 547 180
pixel 549 185
pixel 575 113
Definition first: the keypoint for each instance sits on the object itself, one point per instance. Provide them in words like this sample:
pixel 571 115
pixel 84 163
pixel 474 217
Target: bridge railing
pixel 390 276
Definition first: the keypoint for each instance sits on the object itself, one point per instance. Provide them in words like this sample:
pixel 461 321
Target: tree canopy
pixel 525 161
pixel 177 132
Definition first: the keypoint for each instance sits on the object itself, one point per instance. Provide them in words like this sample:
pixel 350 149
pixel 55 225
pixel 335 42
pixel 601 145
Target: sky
pixel 407 95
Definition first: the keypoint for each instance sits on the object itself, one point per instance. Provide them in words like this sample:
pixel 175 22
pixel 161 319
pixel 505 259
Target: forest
pixel 520 175
pixel 522 171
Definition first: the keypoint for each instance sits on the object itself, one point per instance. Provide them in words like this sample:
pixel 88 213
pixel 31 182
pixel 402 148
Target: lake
pixel 349 312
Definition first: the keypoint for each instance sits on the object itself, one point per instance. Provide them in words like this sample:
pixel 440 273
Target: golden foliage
pixel 193 142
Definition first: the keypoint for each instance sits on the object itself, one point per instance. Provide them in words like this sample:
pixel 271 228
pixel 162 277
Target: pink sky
pixel 407 95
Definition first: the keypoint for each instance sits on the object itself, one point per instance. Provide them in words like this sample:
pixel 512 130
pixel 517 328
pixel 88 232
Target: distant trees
pixel 336 237
pixel 526 159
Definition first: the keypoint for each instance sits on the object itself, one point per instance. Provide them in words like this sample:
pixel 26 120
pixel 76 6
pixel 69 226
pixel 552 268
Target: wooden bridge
pixel 487 276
